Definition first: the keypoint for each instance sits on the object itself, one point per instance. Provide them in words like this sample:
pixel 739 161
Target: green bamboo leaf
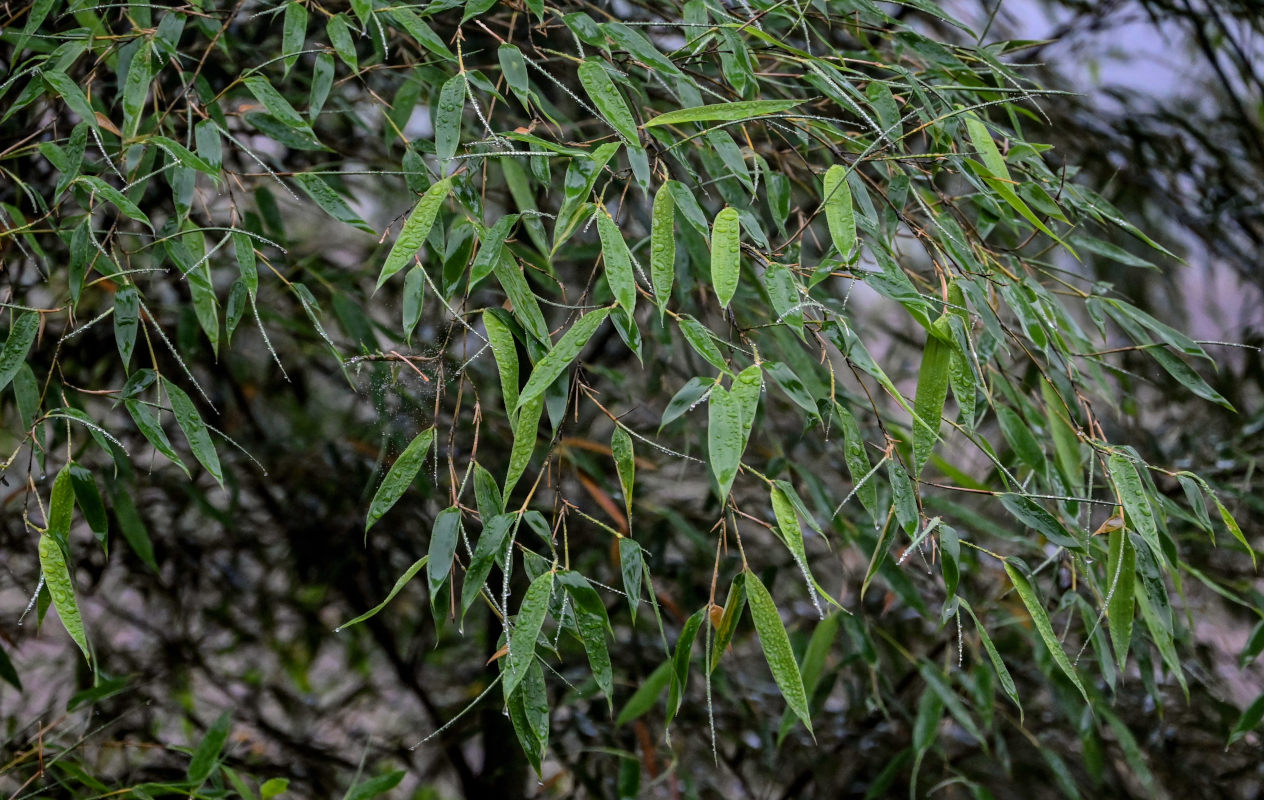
pixel 841 218
pixel 1066 444
pixel 593 624
pixel 723 112
pixel 632 568
pixel 857 461
pixel 663 246
pixel 207 752
pixel 625 465
pixel 1235 530
pixel 444 537
pixel 1249 721
pixel 1002 672
pixel 487 550
pixel 150 426
pixel 339 33
pixel 1121 572
pixel 726 254
pixel 17 345
pixel 276 104
pixel 447 122
pixel 526 629
pixel 701 341
pixel 617 260
pixel 71 94
pixel 514 67
pixel 787 517
pixel 293 32
pixel 1034 516
pixel 120 201
pixel 526 308
pixel 195 431
pixel 1137 513
pixel 330 201
pixel 526 429
pixel 491 243
pixel 734 605
pixel 88 498
pixel 133 527
pixel 1020 437
pixel 412 22
pixel 136 89
pixel 559 358
pixel 813 664
pixel 725 435
pixel 414 301
pixel 646 694
pixel 205 303
pixel 605 96
pixel 61 506
pixel 529 713
pixel 62 589
pixel 399 477
pixel 1043 627
pixel 776 645
pixel 416 228
pixel 506 354
pixel 932 391
pixel 400 583
pixel 681 658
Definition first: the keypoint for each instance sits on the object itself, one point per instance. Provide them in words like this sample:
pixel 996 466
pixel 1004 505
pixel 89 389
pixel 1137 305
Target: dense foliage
pixel 713 396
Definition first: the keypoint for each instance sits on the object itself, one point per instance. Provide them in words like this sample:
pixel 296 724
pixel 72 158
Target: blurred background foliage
pixel 222 596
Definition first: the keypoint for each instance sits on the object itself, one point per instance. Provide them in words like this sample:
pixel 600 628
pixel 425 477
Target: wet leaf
pixel 1043 627
pixel 448 110
pixel 560 357
pixel 617 260
pixel 400 476
pixel 17 345
pixel 1121 573
pixel 605 96
pixel 836 197
pixel 416 228
pixel 62 588
pixel 726 235
pixel 526 629
pixel 444 537
pixel 777 652
pixel 723 112
pixel 195 431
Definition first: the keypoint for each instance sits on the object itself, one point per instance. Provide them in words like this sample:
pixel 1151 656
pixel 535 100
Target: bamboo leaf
pixel 605 96
pixel 777 652
pixel 560 357
pixel 17 345
pixel 836 197
pixel 723 112
pixel 932 391
pixel 1121 572
pixel 202 764
pixel 1137 513
pixel 646 694
pixel 444 537
pixel 399 477
pixel 663 246
pixel 195 431
pixel 617 260
pixel 490 546
pixel 726 235
pixel 416 228
pixel 330 201
pixel 526 629
pixel 1043 627
pixel 448 111
pixel 625 465
pixel 400 583
pixel 593 624
pixel 62 589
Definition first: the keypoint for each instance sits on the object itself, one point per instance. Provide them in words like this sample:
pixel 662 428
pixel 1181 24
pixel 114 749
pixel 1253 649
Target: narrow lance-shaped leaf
pixel 399 477
pixel 400 583
pixel 723 112
pixel 1137 513
pixel 330 201
pixel 448 110
pixel 663 246
pixel 195 431
pixel 416 228
pixel 725 437
pixel 932 391
pixel 293 32
pixel 617 260
pixel 150 426
pixel 62 589
pixel 839 214
pixel 558 359
pixel 777 651
pixel 624 464
pixel 136 89
pixel 726 253
pixel 202 764
pixel 632 567
pixel 593 624
pixel 491 542
pixel 506 355
pixel 526 629
pixel 1121 574
pixel 1043 627
pixel 526 427
pixel 605 96
pixel 17 345
pixel 444 537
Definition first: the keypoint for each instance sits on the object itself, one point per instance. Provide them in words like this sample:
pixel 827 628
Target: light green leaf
pixel 400 583
pixel 1043 627
pixel 841 218
pixel 506 354
pixel 646 694
pixel 632 568
pixel 663 246
pixel 1249 721
pixel 416 228
pixel 293 32
pixel 625 465
pixel 1121 574
pixel 400 476
pixel 204 756
pixel 593 625
pixel 136 89
pixel 560 357
pixel 726 252
pixel 62 589
pixel 605 96
pixel 777 651
pixel 723 112
pixel 617 260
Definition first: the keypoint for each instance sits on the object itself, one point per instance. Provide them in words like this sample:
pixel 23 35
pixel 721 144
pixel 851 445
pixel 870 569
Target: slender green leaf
pixel 1043 627
pixel 416 228
pixel 560 357
pixel 723 112
pixel 195 431
pixel 400 476
pixel 17 345
pixel 776 645
pixel 726 235
pixel 526 629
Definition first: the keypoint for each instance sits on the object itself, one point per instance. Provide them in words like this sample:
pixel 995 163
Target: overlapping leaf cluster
pixel 581 225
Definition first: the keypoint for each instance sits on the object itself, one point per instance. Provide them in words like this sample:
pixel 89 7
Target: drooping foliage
pixel 694 356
